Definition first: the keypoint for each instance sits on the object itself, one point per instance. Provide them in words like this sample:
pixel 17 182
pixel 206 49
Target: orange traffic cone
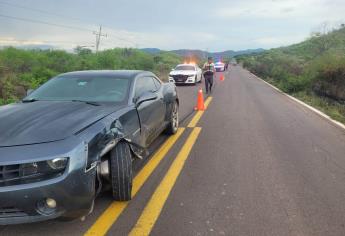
pixel 200 103
pixel 221 77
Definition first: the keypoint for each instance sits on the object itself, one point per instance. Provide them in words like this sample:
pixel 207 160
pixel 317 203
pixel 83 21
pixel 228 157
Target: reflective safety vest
pixel 208 68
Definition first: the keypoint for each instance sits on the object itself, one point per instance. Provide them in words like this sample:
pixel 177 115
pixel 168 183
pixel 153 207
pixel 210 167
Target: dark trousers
pixel 208 82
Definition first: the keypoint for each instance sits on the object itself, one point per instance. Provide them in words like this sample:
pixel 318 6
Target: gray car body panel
pixel 83 133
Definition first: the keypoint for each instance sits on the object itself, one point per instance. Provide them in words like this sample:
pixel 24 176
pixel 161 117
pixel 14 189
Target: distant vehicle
pixel 219 66
pixel 186 74
pixel 74 134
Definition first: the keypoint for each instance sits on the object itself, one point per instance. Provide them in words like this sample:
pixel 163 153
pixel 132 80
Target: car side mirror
pixel 29 91
pixel 148 96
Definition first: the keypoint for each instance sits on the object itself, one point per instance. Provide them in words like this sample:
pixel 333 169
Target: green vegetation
pixel 313 71
pixel 21 70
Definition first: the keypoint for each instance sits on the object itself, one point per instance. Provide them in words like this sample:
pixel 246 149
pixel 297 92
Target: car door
pixel 151 113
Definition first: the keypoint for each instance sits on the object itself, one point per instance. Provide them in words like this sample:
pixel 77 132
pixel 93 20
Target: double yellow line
pixel 152 211
pixel 154 207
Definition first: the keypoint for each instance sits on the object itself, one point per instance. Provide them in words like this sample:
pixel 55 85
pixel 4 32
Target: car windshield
pixel 185 67
pixel 83 88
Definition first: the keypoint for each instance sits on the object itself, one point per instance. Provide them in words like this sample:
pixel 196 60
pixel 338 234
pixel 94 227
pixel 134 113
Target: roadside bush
pixel 294 84
pixel 314 68
pixel 24 69
pixel 329 79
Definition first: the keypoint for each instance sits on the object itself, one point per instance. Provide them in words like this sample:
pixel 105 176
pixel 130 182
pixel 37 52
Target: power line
pixel 39 41
pixel 45 23
pixel 122 39
pixel 60 15
pixel 117 37
pixel 40 11
pixel 59 25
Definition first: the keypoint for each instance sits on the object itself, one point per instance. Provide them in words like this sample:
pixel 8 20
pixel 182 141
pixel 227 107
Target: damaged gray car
pixel 74 134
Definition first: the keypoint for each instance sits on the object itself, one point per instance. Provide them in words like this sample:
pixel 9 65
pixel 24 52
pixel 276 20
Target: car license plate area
pixel 180 78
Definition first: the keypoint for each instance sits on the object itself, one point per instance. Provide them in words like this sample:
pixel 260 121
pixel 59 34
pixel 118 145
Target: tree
pixel 323 37
pixel 80 50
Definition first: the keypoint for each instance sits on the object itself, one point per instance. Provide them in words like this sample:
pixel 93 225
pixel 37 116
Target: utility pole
pixel 98 37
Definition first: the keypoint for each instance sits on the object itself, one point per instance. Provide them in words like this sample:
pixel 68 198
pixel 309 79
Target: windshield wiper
pixel 30 100
pixel 88 102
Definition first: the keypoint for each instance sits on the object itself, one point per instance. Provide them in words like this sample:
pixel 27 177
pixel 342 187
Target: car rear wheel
pixel 121 172
pixel 174 120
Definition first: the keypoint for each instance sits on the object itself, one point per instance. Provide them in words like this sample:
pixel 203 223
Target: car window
pixel 157 83
pixel 144 84
pixel 89 87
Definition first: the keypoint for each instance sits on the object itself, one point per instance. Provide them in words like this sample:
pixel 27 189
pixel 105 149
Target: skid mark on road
pixel 154 207
pixel 111 214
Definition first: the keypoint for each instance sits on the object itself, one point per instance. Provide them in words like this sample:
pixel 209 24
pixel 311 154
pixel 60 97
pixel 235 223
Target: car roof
pixel 125 74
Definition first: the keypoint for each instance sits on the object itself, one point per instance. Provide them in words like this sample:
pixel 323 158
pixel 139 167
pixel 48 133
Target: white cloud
pixel 16 42
pixel 313 10
pixel 228 24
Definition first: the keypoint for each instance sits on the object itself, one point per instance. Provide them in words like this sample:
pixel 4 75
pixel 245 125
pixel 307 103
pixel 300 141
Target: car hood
pixel 43 121
pixel 183 72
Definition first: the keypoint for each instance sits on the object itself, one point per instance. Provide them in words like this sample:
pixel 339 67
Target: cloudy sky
pixel 166 24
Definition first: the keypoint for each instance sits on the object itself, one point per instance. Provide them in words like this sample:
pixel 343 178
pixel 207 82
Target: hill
pixel 188 53
pixel 313 70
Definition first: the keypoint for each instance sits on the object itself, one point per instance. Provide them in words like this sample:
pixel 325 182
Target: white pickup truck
pixel 186 74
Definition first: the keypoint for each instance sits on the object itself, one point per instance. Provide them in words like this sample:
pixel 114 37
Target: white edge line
pixel 320 113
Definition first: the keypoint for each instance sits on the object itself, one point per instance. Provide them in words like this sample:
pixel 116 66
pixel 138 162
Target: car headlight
pixel 59 163
pixel 56 165
pixel 32 172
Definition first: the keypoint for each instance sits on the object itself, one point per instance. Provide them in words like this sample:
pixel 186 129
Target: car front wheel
pixel 121 172
pixel 174 120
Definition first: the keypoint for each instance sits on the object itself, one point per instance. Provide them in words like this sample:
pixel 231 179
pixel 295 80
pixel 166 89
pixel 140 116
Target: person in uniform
pixel 208 71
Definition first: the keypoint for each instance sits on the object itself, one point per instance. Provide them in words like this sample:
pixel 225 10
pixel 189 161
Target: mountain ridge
pixel 204 54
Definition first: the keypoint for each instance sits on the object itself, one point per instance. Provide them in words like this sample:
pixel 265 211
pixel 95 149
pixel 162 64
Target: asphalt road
pixel 260 164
